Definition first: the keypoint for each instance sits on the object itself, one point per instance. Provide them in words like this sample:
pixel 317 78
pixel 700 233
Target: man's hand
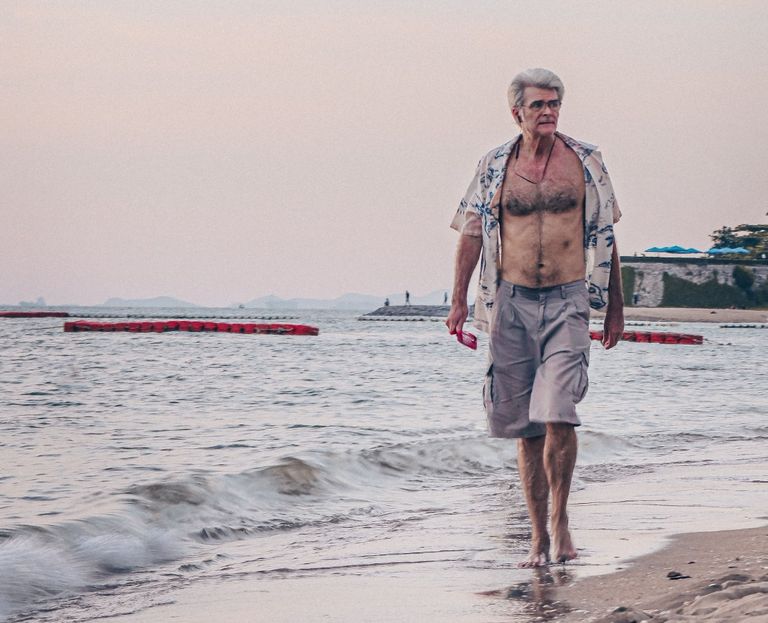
pixel 467 253
pixel 457 317
pixel 613 326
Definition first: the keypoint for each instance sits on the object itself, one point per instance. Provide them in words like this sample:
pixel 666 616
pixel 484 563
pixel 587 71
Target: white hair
pixel 536 77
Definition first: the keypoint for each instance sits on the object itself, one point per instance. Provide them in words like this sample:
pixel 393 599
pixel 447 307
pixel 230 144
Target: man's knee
pixel 561 429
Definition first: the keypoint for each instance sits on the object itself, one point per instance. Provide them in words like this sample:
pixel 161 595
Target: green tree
pixel 724 237
pixel 743 278
pixel 628 284
pixel 679 292
pixel 754 238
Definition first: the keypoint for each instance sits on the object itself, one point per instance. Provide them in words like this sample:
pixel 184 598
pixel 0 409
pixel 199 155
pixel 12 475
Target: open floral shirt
pixel 600 213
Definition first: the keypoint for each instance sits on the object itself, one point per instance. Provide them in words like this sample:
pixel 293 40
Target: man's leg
pixel 559 460
pixel 533 477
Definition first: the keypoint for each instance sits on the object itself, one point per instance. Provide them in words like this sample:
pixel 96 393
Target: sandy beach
pixel 703 576
pixel 693 314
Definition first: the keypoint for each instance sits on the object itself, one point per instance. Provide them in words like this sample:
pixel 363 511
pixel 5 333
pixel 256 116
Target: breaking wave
pixel 160 522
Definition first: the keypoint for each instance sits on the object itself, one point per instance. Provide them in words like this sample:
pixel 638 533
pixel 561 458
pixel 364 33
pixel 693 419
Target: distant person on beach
pixel 540 212
pixel 386 302
pixel 407 297
pixel 445 298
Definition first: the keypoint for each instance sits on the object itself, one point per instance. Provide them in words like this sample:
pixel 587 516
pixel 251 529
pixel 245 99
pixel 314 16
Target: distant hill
pixel 351 300
pixel 158 301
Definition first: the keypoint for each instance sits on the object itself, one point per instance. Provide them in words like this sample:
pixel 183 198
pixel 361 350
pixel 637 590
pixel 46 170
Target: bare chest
pixel 560 191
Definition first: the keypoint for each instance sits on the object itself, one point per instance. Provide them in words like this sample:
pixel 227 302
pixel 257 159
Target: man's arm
pixel 613 325
pixel 467 253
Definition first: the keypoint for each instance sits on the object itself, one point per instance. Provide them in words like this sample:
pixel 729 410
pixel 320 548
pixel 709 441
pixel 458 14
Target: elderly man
pixel 539 213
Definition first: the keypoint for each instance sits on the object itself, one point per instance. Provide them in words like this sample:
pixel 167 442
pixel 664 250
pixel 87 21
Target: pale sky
pixel 218 151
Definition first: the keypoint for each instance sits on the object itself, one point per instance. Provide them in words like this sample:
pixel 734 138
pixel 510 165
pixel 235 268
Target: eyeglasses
pixel 538 105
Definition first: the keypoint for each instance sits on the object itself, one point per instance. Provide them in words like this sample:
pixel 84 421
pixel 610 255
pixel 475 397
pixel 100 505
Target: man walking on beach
pixel 539 214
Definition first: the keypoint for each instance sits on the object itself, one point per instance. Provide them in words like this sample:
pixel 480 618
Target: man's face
pixel 540 111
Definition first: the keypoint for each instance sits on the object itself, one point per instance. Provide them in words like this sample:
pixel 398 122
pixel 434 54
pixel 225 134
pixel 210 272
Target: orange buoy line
pixel 654 337
pixel 191 325
pixel 33 314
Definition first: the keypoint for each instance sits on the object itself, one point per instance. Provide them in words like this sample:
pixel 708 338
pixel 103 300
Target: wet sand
pixel 722 577
pixel 705 576
pixel 402 598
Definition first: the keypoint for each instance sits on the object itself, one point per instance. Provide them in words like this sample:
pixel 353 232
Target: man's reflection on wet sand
pixel 537 596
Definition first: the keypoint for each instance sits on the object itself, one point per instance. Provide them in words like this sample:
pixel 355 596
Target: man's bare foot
pixel 539 556
pixel 535 559
pixel 564 549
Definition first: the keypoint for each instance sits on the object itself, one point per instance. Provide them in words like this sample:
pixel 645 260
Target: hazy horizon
pixel 203 149
pixel 394 297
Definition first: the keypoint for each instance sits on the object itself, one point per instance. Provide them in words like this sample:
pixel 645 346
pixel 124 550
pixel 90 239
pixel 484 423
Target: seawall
pixel 644 278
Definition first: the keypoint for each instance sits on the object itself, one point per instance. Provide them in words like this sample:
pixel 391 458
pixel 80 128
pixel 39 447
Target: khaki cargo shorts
pixel 538 359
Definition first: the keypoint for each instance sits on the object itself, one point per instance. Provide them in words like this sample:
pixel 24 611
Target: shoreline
pixel 697 576
pixel 724 579
pixel 693 314
pixel 646 314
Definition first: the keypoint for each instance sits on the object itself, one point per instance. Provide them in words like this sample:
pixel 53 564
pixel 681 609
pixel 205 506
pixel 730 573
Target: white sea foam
pixel 161 521
pixel 32 569
pixel 37 564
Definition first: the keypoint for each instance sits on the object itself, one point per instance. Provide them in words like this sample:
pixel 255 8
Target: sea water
pixel 135 467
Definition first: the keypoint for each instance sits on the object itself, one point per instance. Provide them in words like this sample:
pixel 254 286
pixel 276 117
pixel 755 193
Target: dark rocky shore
pixel 428 311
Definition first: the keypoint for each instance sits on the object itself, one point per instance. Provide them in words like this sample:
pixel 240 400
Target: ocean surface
pixel 138 468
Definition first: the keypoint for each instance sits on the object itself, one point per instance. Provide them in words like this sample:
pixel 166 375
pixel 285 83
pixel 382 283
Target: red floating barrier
pixel 654 337
pixel 195 326
pixel 689 338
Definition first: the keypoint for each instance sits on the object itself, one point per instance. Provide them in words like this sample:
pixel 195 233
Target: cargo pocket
pixel 582 379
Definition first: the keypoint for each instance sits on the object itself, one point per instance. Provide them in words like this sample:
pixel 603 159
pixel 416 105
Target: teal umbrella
pixel 673 249
pixel 728 251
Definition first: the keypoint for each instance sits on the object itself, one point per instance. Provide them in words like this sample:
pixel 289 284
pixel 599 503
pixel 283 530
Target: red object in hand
pixel 466 338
